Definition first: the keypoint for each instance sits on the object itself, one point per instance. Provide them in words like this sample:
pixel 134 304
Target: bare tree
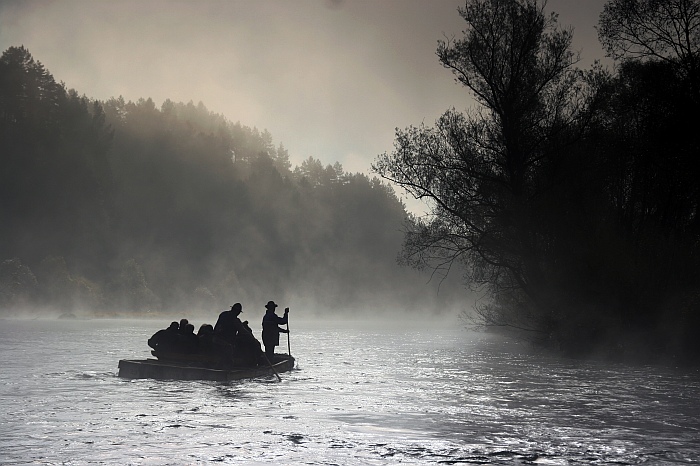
pixel 666 30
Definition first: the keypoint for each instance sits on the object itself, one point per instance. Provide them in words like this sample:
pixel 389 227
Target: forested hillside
pixel 119 206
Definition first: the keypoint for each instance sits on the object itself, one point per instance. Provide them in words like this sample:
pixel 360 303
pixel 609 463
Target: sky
pixel 329 79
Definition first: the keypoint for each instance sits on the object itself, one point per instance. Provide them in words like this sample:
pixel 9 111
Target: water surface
pixel 360 395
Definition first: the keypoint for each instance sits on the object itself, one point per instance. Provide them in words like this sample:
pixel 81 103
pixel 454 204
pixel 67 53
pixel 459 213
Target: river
pixel 374 394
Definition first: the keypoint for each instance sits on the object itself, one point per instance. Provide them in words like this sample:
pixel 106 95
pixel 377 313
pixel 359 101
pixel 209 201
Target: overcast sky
pixel 328 79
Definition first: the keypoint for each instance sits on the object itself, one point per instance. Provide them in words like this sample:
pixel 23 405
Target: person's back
pixel 205 334
pixel 227 323
pixel 246 347
pixel 189 343
pixel 166 339
pixel 183 326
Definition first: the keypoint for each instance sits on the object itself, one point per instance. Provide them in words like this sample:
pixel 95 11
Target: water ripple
pixel 443 398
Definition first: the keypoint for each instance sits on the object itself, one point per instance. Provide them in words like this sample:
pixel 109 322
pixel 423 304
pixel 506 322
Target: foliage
pixel 666 30
pixel 17 284
pixel 570 196
pixel 122 206
pixel 488 173
pixel 658 31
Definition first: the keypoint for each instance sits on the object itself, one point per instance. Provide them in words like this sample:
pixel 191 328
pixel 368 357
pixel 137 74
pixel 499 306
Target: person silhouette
pixel 228 323
pixel 271 331
pixel 166 339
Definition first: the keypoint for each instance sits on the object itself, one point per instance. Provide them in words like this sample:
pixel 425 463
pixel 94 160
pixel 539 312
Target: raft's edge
pixel 154 369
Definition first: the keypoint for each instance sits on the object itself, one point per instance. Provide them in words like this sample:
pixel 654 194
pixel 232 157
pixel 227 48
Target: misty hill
pixel 123 206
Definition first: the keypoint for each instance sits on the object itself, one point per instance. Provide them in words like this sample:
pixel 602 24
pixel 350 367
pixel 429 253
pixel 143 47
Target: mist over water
pixel 384 392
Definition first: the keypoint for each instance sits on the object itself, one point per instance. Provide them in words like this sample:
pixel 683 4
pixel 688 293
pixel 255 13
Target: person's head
pixel 237 308
pixel 189 328
pixel 174 326
pixel 183 323
pixel 270 306
pixel 205 329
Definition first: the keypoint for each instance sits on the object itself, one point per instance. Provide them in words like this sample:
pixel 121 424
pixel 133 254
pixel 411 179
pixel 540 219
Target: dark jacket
pixel 164 340
pixel 227 326
pixel 270 330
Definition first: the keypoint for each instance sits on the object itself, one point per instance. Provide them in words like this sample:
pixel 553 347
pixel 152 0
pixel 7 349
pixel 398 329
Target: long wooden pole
pixel 289 346
pixel 272 367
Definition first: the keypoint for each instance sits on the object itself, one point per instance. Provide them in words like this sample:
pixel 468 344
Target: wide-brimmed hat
pixel 270 305
pixel 237 308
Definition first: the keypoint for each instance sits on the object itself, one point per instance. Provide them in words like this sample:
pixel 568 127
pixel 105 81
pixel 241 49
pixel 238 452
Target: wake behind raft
pixel 229 353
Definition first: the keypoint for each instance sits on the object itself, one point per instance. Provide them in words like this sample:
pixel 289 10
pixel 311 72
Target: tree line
pixel 572 196
pixel 118 206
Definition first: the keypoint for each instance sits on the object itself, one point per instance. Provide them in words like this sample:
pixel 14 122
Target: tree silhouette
pixel 486 173
pixel 572 196
pixel 122 206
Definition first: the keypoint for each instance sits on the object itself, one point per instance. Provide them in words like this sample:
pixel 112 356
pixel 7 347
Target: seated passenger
pixel 166 339
pixel 204 330
pixel 205 334
pixel 247 348
pixel 188 341
pixel 183 324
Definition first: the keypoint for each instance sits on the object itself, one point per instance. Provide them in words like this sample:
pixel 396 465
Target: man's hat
pixel 270 305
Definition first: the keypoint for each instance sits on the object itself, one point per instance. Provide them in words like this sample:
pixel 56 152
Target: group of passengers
pixel 229 340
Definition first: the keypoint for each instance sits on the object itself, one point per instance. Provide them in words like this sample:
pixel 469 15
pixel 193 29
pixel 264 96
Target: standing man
pixel 228 324
pixel 271 331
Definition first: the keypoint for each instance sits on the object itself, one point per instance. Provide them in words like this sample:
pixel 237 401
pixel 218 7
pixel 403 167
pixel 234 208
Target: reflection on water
pixel 359 396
